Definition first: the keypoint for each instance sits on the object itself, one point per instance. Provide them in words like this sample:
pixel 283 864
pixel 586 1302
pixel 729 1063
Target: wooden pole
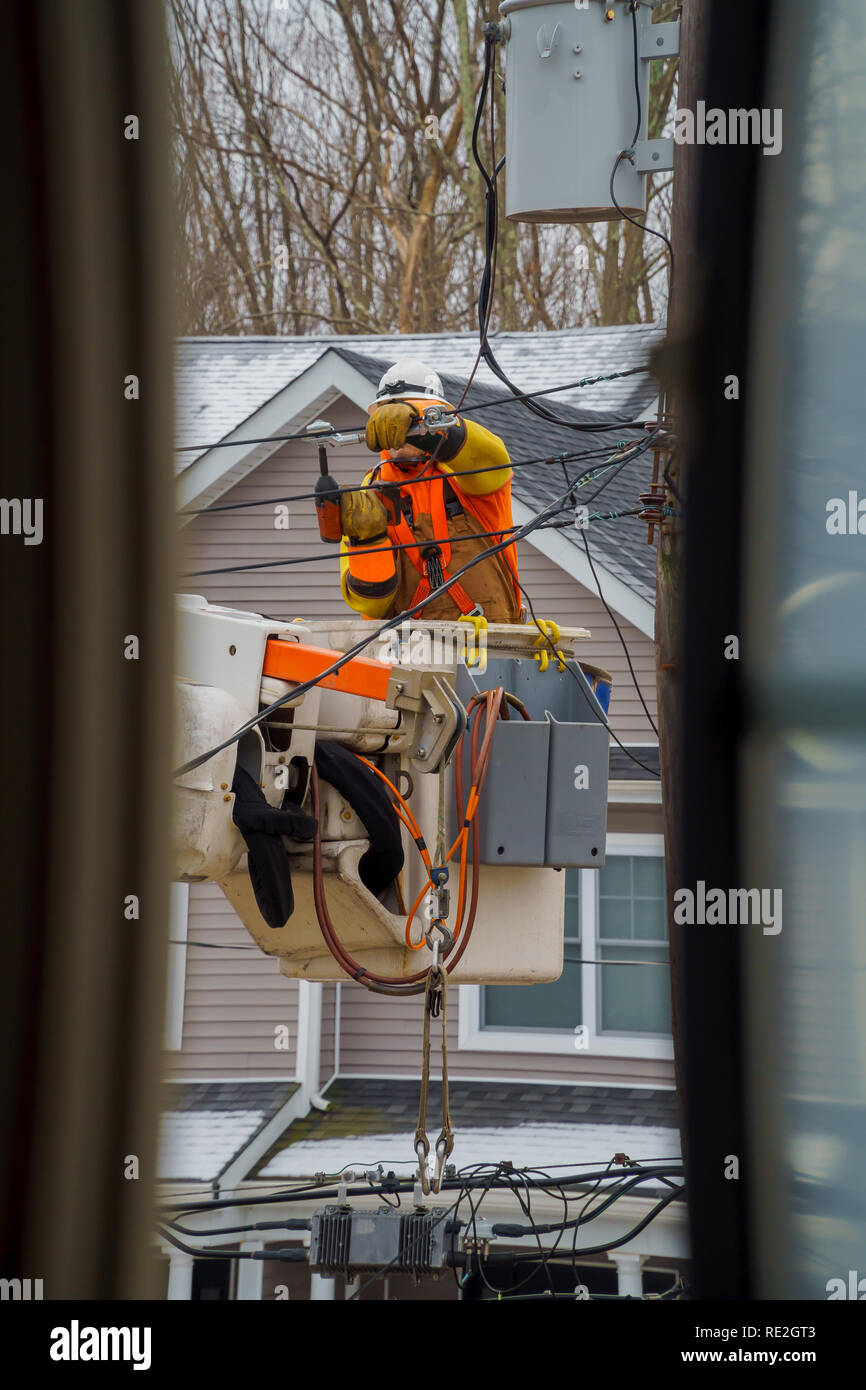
pixel 669 585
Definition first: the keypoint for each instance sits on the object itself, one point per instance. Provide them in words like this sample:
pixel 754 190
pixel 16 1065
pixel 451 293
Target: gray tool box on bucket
pixel 545 795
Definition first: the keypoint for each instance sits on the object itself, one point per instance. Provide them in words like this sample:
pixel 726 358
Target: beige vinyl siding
pixel 382 1037
pixel 249 536
pixel 556 595
pixel 234 1000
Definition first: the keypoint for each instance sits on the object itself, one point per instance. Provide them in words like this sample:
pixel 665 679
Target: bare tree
pixel 325 178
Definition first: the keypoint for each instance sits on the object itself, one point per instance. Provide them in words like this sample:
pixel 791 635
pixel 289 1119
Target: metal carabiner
pixel 442 1151
pixel 422 1150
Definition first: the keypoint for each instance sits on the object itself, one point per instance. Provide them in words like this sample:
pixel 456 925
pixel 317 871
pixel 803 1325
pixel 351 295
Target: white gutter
pixel 309 1049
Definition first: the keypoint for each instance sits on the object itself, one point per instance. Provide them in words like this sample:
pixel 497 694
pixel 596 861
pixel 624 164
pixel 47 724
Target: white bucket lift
pixel 543 807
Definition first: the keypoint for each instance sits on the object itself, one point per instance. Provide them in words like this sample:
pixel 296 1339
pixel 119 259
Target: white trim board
pixel 570 558
pixel 213 473
pixel 634 793
pixel 476 1078
pixel 295 1108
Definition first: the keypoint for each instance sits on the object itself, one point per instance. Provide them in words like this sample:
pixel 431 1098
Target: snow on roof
pixel 196 1145
pixel 546 1146
pixel 220 382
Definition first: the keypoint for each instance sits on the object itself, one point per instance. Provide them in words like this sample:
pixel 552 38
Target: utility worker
pixel 437 518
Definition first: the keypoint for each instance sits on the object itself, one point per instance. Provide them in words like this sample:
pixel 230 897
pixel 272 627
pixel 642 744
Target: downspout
pixel 309 1049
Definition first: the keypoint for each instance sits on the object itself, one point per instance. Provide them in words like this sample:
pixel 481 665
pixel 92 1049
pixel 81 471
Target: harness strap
pixel 440 553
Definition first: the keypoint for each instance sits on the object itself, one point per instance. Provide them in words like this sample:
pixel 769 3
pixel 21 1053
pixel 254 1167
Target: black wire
pixel 626 154
pixel 565 456
pixel 213 945
pixel 201 1252
pixel 392 623
pixel 663 1202
pixel 582 683
pixel 622 640
pixel 305 1191
pixel 409 545
pixel 491 227
pixel 322 436
pixel 293 1224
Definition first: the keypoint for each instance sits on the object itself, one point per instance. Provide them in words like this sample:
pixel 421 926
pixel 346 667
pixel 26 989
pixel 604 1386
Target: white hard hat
pixel 409 377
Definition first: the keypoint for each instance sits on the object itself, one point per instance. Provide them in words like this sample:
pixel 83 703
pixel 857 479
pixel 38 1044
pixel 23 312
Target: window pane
pixel 635 998
pixel 649 919
pixel 614 919
pixel 648 876
pixel 614 879
pixel 555 1006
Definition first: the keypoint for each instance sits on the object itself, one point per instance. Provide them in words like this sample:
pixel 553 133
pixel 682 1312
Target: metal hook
pixel 422 1149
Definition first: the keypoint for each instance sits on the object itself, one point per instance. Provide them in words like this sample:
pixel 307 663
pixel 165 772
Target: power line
pixel 354 651
pixel 623 643
pixel 628 154
pixel 320 556
pixel 565 457
pixel 322 435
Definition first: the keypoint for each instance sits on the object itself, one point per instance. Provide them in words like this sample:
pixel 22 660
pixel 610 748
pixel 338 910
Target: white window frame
pixel 176 980
pixel 472 1037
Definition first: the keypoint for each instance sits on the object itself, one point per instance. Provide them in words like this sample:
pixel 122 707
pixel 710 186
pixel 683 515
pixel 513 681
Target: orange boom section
pixel 296 661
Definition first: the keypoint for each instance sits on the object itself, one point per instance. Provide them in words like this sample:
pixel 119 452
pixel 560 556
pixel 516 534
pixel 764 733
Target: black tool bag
pixel 263 827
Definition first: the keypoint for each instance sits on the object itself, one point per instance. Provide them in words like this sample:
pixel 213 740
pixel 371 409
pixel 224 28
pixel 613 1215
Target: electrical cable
pixel 622 640
pixel 582 684
pixel 400 986
pixel 321 436
pixel 629 154
pixel 319 557
pixel 567 456
pixel 486 287
pixel 323 1190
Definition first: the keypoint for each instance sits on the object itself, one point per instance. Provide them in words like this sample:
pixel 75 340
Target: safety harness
pixel 431 559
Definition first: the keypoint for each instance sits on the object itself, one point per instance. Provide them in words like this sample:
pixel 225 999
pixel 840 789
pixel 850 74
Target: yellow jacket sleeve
pixel 480 449
pixel 368 581
pixel 368 605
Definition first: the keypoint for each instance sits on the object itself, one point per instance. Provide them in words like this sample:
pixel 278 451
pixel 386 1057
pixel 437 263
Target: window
pixel 543 1006
pixel 616 914
pixel 631 918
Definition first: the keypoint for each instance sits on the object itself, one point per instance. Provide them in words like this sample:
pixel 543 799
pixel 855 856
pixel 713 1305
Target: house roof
pixel 221 382
pixel 206 1125
pixel 619 545
pixel 371 1121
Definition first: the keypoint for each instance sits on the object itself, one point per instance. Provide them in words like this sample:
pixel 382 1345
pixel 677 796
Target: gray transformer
pixel 571 107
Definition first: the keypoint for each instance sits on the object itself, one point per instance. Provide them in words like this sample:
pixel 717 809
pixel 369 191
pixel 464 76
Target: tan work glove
pixel 389 424
pixel 363 517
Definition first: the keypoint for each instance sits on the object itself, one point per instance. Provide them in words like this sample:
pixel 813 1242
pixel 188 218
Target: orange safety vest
pixel 434 496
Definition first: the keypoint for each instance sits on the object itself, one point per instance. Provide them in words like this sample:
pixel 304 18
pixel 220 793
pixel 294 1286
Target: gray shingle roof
pixel 562 1123
pixel 205 1125
pixel 220 382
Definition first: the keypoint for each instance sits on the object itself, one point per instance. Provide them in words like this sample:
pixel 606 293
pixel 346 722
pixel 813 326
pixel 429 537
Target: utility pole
pixel 669 572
